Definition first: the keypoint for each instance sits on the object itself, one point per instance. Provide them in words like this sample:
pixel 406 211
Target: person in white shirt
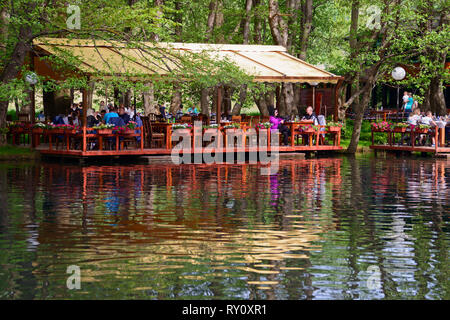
pixel 405 99
pixel 414 117
pixel 428 120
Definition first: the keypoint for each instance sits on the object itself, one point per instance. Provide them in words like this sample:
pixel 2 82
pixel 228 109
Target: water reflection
pixel 198 231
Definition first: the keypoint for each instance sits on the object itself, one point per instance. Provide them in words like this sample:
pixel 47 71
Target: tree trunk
pixel 126 99
pixel 257 37
pixel 158 4
pixel 278 26
pixel 148 98
pixel 261 103
pixel 359 109
pixel 226 99
pixel 175 103
pixel 437 98
pixel 307 7
pixel 211 18
pixel 287 92
pixel 242 97
pixel 13 66
pixel 246 21
pixel 3 25
pixel 179 21
pixel 434 98
pixel 218 21
pixel 204 102
pixel 90 95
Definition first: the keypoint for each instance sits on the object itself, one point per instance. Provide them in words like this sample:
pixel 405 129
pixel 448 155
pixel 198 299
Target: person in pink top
pixel 278 123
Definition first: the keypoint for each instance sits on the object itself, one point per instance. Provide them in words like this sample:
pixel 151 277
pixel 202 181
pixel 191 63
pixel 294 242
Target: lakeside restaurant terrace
pixel 155 138
pixel 105 59
pixel 409 138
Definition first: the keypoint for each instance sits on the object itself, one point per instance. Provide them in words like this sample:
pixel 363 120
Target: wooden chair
pixel 236 118
pixel 254 120
pixel 264 119
pixel 186 119
pixel 156 137
pixel 23 117
pixel 204 119
pixel 151 138
pixel 152 117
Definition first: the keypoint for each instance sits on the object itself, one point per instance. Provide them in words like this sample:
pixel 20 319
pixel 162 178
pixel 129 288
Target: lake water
pixel 326 228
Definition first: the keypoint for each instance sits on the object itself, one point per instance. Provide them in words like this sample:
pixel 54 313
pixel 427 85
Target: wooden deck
pixel 43 149
pixel 411 148
pixel 394 141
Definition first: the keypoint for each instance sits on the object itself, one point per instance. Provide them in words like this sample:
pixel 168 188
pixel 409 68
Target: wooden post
pixel 33 95
pixel 218 106
pixel 85 98
pixel 336 99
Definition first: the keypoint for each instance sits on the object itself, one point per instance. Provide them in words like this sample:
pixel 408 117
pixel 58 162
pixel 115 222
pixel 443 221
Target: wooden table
pixel 384 113
pixel 294 125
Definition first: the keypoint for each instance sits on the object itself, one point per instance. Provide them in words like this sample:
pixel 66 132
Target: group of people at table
pixel 120 116
pixel 416 117
pixel 278 122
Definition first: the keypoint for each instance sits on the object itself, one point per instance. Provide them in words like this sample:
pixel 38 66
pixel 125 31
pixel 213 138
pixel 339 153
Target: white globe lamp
pixel 398 73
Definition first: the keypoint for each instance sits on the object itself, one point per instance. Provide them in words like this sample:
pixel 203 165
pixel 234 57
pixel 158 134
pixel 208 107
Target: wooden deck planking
pixel 164 151
pixel 411 149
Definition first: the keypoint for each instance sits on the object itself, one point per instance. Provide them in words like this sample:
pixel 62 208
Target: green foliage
pixel 366 133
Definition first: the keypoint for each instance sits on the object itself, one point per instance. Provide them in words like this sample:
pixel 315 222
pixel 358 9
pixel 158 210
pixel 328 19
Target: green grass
pixel 361 143
pixel 8 151
pixel 365 138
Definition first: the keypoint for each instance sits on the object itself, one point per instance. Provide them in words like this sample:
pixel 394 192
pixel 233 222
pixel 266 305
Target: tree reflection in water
pixel 224 231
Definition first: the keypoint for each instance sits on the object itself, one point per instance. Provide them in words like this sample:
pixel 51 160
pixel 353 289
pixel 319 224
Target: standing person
pixel 409 104
pixel 405 99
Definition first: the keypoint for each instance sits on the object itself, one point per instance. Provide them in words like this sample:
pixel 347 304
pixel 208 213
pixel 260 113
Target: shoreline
pixel 15 153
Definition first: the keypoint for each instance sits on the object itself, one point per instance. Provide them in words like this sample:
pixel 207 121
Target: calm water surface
pixel 334 228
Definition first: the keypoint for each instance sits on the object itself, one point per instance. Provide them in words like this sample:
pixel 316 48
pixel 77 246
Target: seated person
pixel 116 121
pixel 428 120
pixel 125 117
pixel 41 116
pixel 111 114
pixel 310 115
pixel 60 119
pixel 91 119
pixel 74 119
pixel 278 123
pixel 179 114
pixel 414 117
pixel 162 110
pixel 192 111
